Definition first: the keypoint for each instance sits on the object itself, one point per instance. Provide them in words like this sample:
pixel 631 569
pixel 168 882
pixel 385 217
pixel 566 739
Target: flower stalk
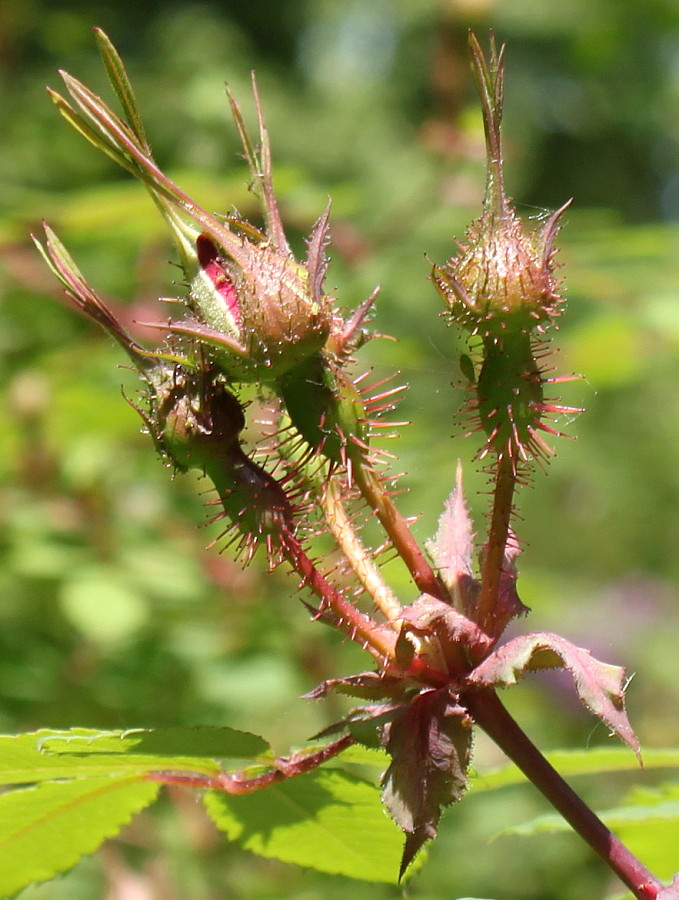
pixel 496 546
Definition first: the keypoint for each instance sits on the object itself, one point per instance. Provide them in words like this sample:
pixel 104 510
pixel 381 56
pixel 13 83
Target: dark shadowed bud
pixel 503 277
pixel 194 419
pixel 196 422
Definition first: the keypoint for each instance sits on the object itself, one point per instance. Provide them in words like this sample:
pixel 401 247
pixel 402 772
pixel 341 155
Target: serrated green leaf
pixel 326 820
pixel 45 830
pixel 46 755
pixel 654 843
pixel 650 831
pixel 201 742
pixel 22 762
pixel 365 756
pixel 644 805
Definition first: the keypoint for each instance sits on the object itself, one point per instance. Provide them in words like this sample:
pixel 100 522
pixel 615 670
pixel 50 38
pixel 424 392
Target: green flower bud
pixel 196 422
pixel 501 287
pixel 503 277
pixel 194 428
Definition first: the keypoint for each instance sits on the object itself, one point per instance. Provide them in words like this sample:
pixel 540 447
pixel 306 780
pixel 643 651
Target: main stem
pixel 489 712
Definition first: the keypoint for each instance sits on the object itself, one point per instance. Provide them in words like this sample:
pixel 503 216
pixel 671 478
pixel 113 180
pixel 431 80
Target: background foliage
pixel 113 614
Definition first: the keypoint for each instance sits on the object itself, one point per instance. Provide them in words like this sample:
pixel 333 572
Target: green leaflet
pixel 596 761
pixel 580 762
pixel 80 752
pixel 327 820
pixel 44 830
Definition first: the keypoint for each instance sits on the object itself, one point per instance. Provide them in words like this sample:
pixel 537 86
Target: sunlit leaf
pixel 453 546
pixel 597 761
pixel 648 824
pixel 201 742
pixel 46 829
pixel 326 820
pixel 45 755
pixel 599 686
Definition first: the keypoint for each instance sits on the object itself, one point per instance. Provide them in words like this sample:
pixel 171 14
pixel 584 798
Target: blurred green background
pixel 113 613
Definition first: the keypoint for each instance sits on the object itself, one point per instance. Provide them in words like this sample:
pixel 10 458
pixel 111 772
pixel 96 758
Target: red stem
pixel 503 496
pixel 489 712
pixel 425 578
pixel 236 783
pixel 378 640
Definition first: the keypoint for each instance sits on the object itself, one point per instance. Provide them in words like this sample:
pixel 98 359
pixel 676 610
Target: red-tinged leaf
pixel 671 892
pixel 201 333
pixel 366 686
pixel 437 631
pixel 429 742
pixel 599 686
pixel 507 605
pixel 453 546
pixel 365 723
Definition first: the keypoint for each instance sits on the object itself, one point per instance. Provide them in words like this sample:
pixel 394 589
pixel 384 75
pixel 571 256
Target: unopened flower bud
pixel 503 277
pixel 195 427
pixel 262 311
pixel 501 286
pixel 259 308
pixel 196 422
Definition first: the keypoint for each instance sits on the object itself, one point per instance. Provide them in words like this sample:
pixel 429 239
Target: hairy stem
pixel 359 558
pixel 399 533
pixel 503 494
pixel 491 715
pixel 238 783
pixel 379 641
